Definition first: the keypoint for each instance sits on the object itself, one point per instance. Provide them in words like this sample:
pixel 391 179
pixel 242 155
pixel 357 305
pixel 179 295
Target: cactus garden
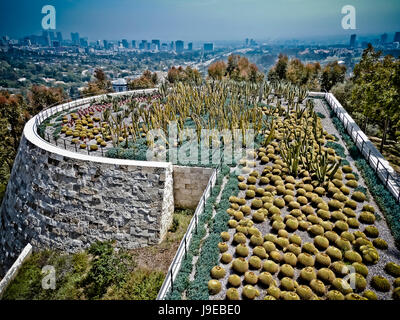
pixel 299 223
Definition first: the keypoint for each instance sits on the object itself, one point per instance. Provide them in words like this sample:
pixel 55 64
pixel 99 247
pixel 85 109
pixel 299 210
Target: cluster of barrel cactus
pixel 290 197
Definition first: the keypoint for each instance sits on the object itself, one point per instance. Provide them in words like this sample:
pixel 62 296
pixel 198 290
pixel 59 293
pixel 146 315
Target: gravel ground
pixel 392 254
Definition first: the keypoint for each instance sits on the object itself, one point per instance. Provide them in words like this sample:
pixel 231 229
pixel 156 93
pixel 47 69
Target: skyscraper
pixel 105 42
pixel 208 47
pixel 156 42
pixel 353 38
pixel 75 38
pixel 59 37
pixel 396 37
pixel 46 38
pixel 134 44
pixel 190 46
pixel 125 43
pixel 384 38
pixel 179 46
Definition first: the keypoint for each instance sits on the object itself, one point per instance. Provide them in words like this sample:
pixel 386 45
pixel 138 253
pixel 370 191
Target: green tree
pixel 332 74
pixel 376 90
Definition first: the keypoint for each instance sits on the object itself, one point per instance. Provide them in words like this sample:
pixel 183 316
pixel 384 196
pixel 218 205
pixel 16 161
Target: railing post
pixel 362 146
pixel 377 165
pixel 172 280
pixel 65 145
pixel 387 177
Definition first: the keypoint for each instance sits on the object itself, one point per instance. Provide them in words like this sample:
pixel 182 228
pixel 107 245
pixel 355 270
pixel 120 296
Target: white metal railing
pixel 185 242
pixel 377 161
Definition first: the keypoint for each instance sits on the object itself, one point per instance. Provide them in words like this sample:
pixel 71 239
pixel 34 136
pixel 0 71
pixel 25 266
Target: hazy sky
pixel 199 19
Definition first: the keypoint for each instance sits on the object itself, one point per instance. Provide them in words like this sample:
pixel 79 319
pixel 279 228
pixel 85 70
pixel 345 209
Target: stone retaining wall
pixel 189 185
pixel 62 200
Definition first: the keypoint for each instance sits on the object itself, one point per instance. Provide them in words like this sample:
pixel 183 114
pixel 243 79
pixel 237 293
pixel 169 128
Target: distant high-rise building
pixel 164 46
pixel 134 44
pixel 143 45
pixel 247 42
pixel 252 43
pixel 125 43
pixel 384 38
pixel 75 38
pixel 208 47
pixel 156 42
pixel 353 38
pixel 179 46
pixel 46 38
pixel 59 37
pixel 171 45
pixel 83 42
pixel 106 44
pixel 396 37
pixel 190 46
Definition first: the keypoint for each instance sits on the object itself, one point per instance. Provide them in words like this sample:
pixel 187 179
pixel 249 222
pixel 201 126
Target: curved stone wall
pixel 64 200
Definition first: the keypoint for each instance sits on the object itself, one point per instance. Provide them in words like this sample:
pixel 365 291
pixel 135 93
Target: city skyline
pixel 209 20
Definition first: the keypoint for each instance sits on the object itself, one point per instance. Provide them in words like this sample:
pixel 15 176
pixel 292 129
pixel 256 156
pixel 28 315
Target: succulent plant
pixel 292 224
pixel 223 246
pixel 255 262
pixel 226 258
pixel 371 231
pixel 256 240
pixel 322 259
pixel 393 269
pixel 380 243
pixel 360 268
pixel 270 266
pixel 309 247
pixel 359 196
pixel 232 294
pixel 274 291
pixel 289 295
pixel 240 265
pixel 214 286
pixel 349 212
pixel 288 284
pixel 335 295
pixel 282 242
pixel 343 244
pixel 316 230
pixel 249 292
pixel 352 256
pixel 296 239
pixel 321 242
pixel 260 252
pixel 339 268
pixel 331 236
pixel 342 285
pixel 218 272
pixel 232 223
pixel 234 280
pixel 370 295
pixel 250 278
pixel 367 217
pixel 334 253
pixel 318 287
pixel 239 237
pixel 242 250
pixel 354 296
pixel 369 254
pixel 380 283
pixel 360 282
pixel 308 274
pixel 326 275
pixel 396 294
